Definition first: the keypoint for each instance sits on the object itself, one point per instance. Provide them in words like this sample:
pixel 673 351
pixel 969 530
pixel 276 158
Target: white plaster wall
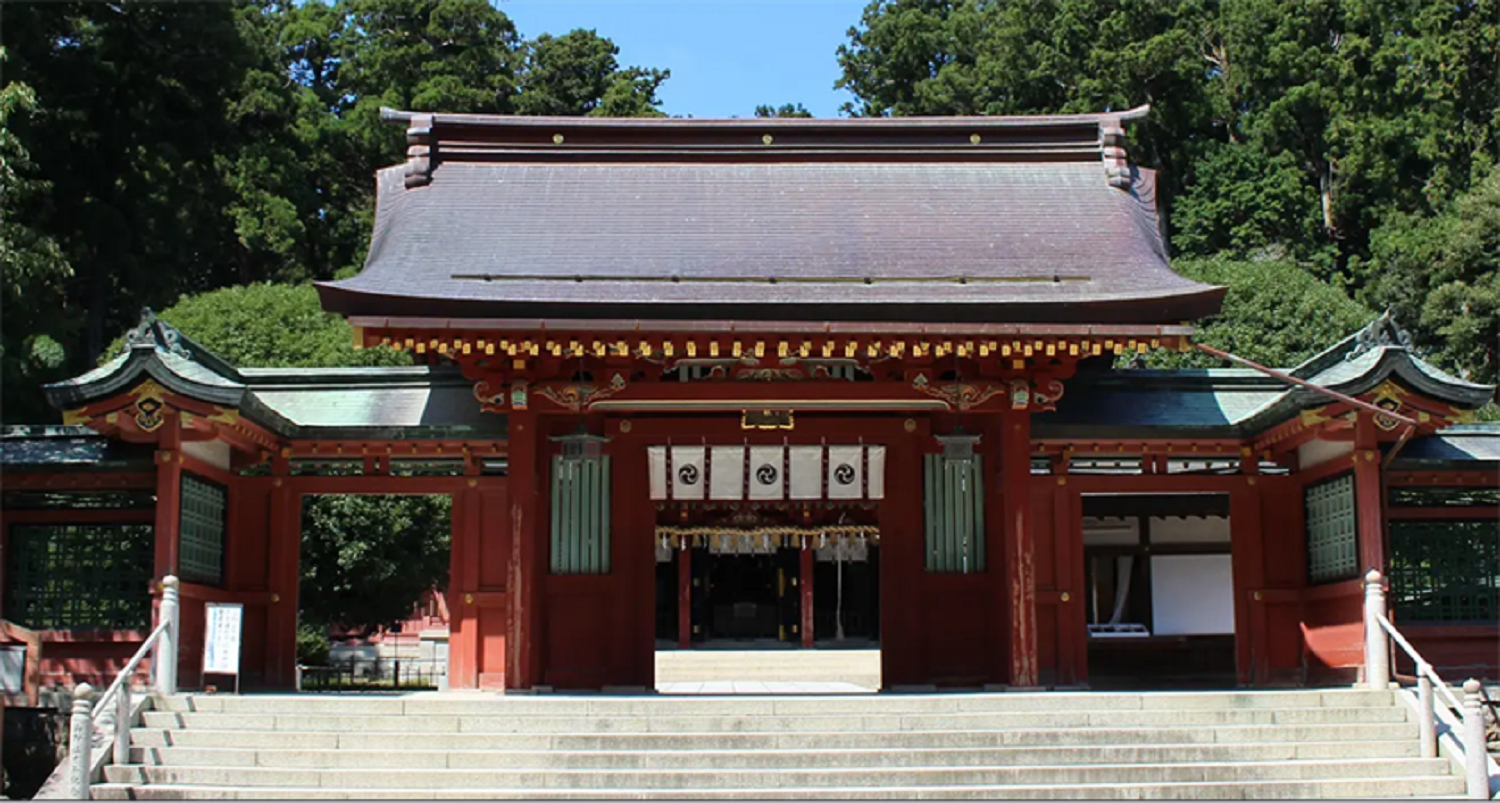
pixel 1314 452
pixel 214 453
pixel 1190 530
pixel 1111 531
pixel 1192 595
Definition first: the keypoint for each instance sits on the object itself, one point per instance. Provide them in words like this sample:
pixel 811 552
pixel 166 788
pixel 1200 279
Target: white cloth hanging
pixel 846 471
pixel 688 472
pixel 656 459
pixel 875 463
pixel 806 464
pixel 727 477
pixel 767 472
pixel 1123 565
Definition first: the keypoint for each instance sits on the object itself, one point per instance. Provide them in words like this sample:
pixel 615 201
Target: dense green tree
pixel 1275 313
pixel 577 74
pixel 270 326
pixel 367 559
pixel 134 118
pixel 32 266
pixel 1441 274
pixel 1284 129
pixel 184 147
pixel 784 110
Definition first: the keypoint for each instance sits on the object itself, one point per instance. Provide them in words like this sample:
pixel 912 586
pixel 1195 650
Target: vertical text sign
pixel 221 647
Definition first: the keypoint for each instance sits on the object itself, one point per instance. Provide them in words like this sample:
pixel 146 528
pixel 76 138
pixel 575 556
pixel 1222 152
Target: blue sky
pixel 726 56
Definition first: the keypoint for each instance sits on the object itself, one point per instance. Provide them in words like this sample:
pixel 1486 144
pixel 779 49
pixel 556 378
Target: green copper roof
pixel 397 402
pixel 1469 446
pixel 1207 403
pixel 52 447
pixel 419 402
pixel 374 403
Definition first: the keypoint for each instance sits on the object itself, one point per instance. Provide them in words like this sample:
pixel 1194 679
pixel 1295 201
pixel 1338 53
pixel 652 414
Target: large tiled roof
pixel 881 220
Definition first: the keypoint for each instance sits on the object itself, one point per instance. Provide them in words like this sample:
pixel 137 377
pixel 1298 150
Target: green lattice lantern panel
pixel 80 576
pixel 1332 544
pixel 953 509
pixel 201 532
pixel 580 515
pixel 1445 571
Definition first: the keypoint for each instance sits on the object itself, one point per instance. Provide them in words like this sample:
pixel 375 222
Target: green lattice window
pixel 953 503
pixel 1446 496
pixel 201 532
pixel 1332 545
pixel 1445 571
pixel 79 576
pixel 580 515
pixel 78 500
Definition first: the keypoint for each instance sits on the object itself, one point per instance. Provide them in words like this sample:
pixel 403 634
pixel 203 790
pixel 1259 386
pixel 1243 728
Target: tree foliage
pixel 31 263
pixel 164 149
pixel 367 559
pixel 271 326
pixel 784 110
pixel 1324 133
pixel 1275 313
pixel 1442 271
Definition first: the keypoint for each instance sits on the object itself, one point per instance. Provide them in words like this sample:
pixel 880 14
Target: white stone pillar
pixel 1426 714
pixel 122 723
pixel 1377 645
pixel 165 657
pixel 1475 754
pixel 81 742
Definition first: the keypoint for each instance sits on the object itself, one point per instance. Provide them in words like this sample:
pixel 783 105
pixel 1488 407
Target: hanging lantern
pixel 581 446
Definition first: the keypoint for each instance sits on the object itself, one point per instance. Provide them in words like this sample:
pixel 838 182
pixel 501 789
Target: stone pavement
pixel 768 671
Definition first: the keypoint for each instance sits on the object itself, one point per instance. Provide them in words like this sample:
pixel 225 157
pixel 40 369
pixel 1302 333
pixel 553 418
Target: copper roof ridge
pixel 390 115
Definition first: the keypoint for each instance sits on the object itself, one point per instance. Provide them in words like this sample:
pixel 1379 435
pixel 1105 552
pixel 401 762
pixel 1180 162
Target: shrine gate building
pixel 792 380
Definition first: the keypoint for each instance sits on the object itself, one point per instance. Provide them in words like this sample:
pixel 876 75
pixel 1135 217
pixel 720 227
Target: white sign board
pixel 1192 595
pixel 221 646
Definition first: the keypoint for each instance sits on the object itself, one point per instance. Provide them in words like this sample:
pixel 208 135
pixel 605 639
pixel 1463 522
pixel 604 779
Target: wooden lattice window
pixel 953 503
pixel 580 515
pixel 1445 570
pixel 1332 544
pixel 80 576
pixel 201 532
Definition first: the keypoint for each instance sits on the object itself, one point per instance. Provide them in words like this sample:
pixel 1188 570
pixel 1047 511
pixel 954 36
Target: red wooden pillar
pixel 684 598
pixel 284 547
pixel 806 589
pixel 1072 616
pixel 1368 495
pixel 168 495
pixel 1015 474
pixel 527 559
pixel 1247 557
pixel 463 581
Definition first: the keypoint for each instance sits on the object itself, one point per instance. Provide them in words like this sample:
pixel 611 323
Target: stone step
pixel 768 759
pixel 1049 774
pixel 421 723
pixel 810 740
pixel 474 703
pixel 1335 789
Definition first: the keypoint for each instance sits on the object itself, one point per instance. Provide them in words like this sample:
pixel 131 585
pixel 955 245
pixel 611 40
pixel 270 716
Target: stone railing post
pixel 1377 645
pixel 122 724
pixel 81 742
pixel 1426 713
pixel 165 657
pixel 1476 757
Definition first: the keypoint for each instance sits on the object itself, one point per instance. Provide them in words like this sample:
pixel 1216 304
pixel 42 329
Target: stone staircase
pixel 1271 744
